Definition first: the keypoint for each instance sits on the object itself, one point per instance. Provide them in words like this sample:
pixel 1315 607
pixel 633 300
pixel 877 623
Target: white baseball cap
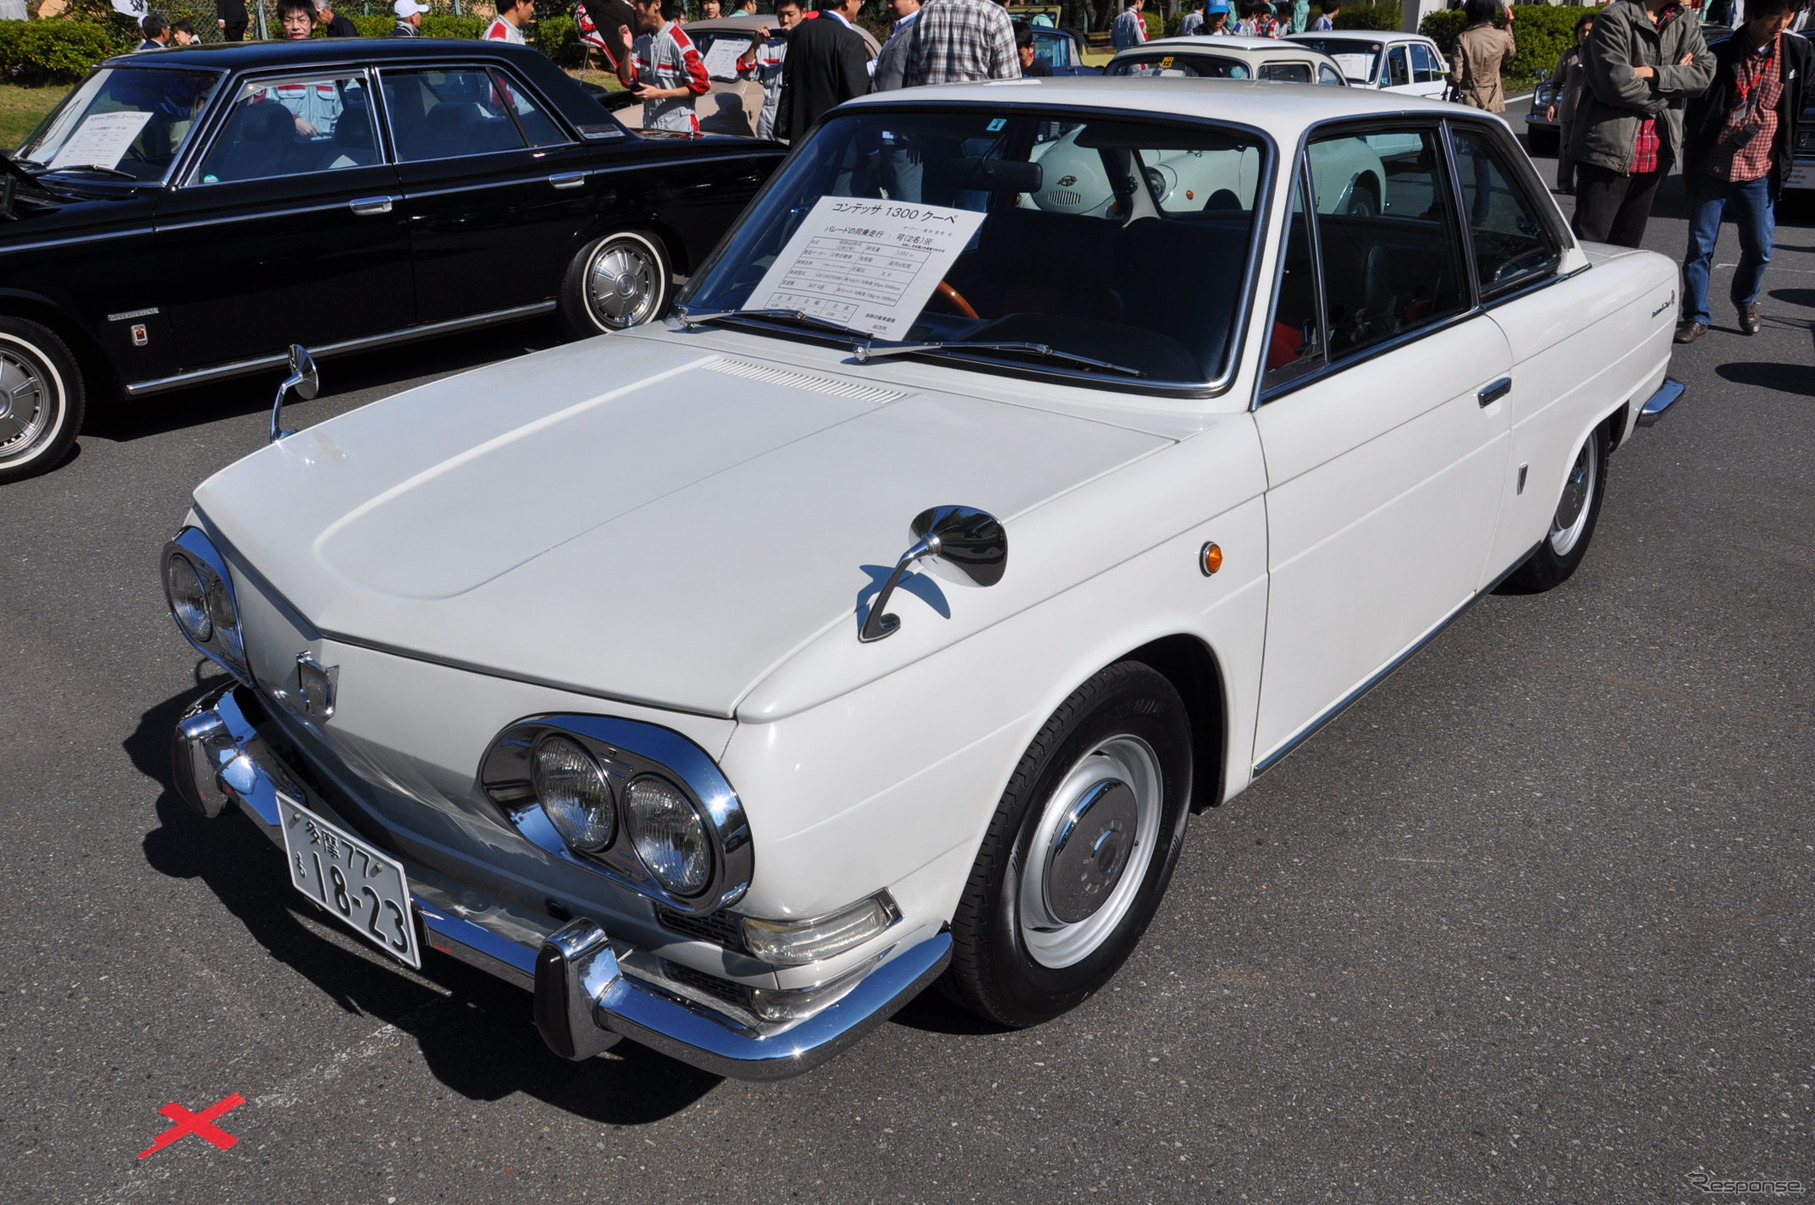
pixel 408 8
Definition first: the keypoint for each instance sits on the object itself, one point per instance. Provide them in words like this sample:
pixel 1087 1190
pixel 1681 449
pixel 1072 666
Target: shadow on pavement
pixel 1794 379
pixel 478 1039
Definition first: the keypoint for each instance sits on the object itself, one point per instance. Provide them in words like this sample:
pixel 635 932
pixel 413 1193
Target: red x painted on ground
pixel 195 1123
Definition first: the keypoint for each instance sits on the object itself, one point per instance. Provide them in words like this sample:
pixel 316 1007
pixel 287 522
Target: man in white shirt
pixel 1130 28
pixel 513 15
pixel 1194 20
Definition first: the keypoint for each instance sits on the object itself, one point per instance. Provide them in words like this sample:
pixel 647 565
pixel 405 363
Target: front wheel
pixel 1079 852
pixel 617 281
pixel 1572 526
pixel 41 399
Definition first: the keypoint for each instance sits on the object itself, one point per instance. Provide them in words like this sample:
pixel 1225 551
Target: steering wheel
pixel 956 300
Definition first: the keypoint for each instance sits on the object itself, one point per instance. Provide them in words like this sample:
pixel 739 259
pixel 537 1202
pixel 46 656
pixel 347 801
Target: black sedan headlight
pixel 636 802
pixel 199 589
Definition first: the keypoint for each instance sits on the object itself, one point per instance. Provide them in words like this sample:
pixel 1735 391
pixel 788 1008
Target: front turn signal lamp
pixel 792 943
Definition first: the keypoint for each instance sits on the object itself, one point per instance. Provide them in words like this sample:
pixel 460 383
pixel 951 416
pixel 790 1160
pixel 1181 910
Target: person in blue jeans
pixel 1737 148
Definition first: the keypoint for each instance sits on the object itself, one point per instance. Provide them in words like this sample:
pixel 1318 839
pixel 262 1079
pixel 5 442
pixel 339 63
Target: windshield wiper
pixel 97 169
pixel 795 317
pixel 1038 350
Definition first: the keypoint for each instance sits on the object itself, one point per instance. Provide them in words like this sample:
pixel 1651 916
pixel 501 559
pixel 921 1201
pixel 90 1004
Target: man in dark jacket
pixel 232 19
pixel 1643 62
pixel 1738 146
pixel 828 63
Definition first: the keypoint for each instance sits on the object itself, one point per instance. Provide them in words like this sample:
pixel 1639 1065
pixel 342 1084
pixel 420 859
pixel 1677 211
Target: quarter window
pixel 1327 74
pixel 289 127
pixel 1291 73
pixel 1426 68
pixel 1511 247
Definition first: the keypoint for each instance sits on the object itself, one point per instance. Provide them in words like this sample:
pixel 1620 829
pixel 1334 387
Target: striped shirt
pixel 667 59
pixel 501 30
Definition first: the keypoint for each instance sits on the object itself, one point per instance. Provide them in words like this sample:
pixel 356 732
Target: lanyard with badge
pixel 1747 74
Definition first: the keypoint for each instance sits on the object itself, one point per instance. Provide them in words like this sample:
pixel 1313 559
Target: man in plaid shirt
pixel 956 41
pixel 1738 148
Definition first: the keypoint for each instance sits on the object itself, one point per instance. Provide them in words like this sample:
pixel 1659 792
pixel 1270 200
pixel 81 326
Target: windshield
pixel 1357 59
pixel 132 120
pixel 1114 239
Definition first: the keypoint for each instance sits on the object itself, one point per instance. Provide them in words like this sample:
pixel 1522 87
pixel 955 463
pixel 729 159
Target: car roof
pixel 1359 35
pixel 1284 109
pixel 1253 48
pixel 308 52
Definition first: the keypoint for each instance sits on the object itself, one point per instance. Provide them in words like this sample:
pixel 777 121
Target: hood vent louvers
pixel 770 375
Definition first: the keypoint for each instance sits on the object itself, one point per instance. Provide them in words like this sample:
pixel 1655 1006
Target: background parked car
pixel 186 216
pixel 732 105
pixel 1228 58
pixel 1407 63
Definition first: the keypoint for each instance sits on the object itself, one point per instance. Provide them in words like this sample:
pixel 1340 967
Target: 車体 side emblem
pixel 315 682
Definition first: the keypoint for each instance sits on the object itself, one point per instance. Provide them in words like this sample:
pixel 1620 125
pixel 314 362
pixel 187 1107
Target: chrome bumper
pixel 1667 395
pixel 586 999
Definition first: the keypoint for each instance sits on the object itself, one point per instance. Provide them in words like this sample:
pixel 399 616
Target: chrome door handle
pixel 1495 392
pixel 567 179
pixel 367 207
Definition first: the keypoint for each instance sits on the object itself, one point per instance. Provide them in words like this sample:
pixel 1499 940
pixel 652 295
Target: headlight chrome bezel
pixel 624 751
pixel 224 642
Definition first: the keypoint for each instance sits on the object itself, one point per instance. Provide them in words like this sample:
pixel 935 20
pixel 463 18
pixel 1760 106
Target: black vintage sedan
pixel 186 215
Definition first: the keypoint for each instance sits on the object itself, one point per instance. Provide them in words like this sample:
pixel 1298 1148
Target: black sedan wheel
pixel 41 399
pixel 617 281
pixel 1079 852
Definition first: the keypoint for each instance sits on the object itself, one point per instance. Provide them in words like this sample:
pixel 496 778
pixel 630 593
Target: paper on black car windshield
pixel 101 140
pixel 864 263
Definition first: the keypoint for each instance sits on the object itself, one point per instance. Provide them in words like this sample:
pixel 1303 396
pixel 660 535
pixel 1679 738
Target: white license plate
pixel 1802 176
pixel 363 887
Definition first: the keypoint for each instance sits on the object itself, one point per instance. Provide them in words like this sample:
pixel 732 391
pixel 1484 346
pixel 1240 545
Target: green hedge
pixel 434 25
pixel 1377 16
pixel 1543 32
pixel 57 52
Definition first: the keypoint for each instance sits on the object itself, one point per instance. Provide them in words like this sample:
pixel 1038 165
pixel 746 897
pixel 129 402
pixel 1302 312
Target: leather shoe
pixel 1749 321
pixel 1689 332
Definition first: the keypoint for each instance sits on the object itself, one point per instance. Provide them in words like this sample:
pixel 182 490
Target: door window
pixel 1389 254
pixel 293 126
pixel 447 113
pixel 1512 248
pixel 1295 348
pixel 1291 73
pixel 1327 74
pixel 1426 67
pixel 1397 73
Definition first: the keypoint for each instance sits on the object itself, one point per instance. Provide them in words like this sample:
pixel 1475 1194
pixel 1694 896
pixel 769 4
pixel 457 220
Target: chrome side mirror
pixel 303 378
pixel 970 543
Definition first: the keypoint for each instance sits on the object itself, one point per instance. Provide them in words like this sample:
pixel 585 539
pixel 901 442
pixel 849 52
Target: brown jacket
pixel 1481 51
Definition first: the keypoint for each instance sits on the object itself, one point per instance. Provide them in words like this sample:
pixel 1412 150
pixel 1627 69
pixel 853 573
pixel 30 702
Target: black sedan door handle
pixel 1494 392
pixel 567 179
pixel 367 207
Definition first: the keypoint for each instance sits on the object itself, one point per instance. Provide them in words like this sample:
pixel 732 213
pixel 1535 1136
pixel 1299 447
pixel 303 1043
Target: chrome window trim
pixel 405 335
pixel 189 177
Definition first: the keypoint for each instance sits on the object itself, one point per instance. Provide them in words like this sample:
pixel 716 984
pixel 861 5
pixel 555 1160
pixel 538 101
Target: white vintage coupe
pixel 883 618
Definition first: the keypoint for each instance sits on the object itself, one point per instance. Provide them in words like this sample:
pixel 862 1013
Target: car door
pixel 496 190
pixel 284 228
pixel 1385 446
pixel 1430 74
pixel 1396 71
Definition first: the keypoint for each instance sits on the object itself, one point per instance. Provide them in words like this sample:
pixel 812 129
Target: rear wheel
pixel 41 399
pixel 1079 852
pixel 1572 526
pixel 617 281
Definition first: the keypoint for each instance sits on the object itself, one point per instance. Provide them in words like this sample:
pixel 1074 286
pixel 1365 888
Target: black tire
pixel 42 400
pixel 1052 910
pixel 1572 526
pixel 1364 200
pixel 621 280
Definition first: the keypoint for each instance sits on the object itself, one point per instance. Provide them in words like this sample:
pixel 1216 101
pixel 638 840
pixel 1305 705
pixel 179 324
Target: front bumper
pixel 588 993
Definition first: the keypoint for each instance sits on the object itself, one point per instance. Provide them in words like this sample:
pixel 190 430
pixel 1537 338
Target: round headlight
pixel 574 794
pixel 668 834
pixel 188 598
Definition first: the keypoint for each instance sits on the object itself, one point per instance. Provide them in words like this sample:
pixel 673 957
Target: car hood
pixel 634 516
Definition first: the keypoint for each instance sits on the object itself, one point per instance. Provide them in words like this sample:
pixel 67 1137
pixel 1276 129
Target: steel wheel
pixel 1571 521
pixel 1571 524
pixel 41 399
pixel 618 281
pixel 1090 851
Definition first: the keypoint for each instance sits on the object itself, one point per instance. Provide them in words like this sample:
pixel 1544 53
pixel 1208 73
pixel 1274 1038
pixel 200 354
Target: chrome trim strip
pixel 1668 394
pixel 258 216
pixel 408 334
pixel 1309 730
pixel 477 945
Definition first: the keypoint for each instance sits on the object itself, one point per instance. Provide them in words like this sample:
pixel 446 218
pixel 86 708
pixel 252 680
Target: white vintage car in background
pixel 883 618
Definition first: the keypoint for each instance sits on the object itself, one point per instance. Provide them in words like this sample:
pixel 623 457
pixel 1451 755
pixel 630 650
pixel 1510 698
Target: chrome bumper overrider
pixel 1667 395
pixel 586 998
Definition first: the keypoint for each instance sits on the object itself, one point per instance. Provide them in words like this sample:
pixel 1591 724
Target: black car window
pixel 1389 251
pixel 124 119
pixel 1291 73
pixel 292 126
pixel 537 125
pixel 446 113
pixel 1511 246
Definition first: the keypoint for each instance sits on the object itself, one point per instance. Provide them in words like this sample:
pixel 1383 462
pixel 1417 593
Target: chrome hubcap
pixel 22 410
pixel 1572 510
pixel 622 285
pixel 1090 851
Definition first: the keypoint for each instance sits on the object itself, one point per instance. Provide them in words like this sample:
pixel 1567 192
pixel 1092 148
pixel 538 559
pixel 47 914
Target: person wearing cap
pixel 409 19
pixel 1216 20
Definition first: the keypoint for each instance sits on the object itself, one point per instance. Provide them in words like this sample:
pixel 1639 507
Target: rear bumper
pixel 588 990
pixel 1666 396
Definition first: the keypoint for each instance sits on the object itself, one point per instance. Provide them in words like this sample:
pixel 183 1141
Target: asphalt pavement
pixel 1531 921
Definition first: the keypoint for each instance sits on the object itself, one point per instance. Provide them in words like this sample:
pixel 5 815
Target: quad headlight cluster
pixel 199 589
pixel 637 802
